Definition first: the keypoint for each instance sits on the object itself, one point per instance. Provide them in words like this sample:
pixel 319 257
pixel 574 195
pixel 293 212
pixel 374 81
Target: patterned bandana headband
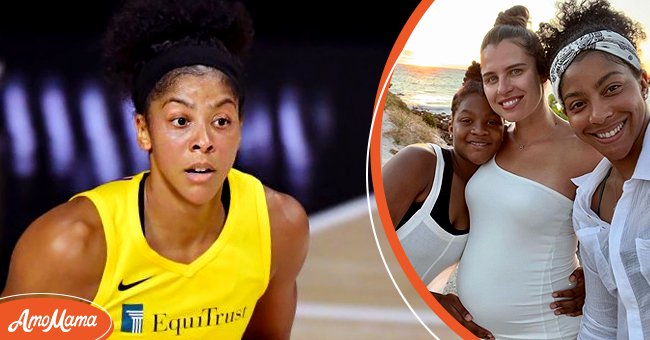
pixel 606 41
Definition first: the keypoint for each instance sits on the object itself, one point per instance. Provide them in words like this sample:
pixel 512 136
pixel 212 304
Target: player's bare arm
pixel 63 252
pixel 275 311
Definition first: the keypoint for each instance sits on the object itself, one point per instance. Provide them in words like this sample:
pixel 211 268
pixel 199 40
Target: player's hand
pixel 454 307
pixel 570 301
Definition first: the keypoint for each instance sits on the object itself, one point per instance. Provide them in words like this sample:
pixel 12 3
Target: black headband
pixel 181 56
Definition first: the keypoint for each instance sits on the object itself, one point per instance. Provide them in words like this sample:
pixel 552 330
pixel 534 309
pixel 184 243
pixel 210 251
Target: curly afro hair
pixel 144 28
pixel 576 18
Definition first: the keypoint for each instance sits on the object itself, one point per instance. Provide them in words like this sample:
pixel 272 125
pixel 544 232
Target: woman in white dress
pixel 522 247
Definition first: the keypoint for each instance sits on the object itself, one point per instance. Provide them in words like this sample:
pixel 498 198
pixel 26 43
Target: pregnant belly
pixel 510 295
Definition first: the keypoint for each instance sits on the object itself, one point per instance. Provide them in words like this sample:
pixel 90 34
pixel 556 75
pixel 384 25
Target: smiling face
pixel 192 132
pixel 511 82
pixel 604 102
pixel 477 130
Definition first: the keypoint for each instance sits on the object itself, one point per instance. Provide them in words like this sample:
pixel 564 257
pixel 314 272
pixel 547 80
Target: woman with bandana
pixel 597 76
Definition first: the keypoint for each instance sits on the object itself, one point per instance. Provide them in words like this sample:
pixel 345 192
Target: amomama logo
pixel 52 316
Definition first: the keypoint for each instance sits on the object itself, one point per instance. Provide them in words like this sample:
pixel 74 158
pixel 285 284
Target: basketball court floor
pixel 345 291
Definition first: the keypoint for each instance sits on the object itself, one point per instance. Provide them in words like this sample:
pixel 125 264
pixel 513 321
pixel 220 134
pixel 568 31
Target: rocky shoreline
pixel 402 126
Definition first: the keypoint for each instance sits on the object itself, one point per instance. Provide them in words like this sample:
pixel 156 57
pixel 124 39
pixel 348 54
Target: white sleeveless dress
pixel 428 246
pixel 521 248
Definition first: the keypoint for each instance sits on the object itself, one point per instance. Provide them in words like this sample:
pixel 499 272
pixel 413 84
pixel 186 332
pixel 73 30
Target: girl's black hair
pixel 472 84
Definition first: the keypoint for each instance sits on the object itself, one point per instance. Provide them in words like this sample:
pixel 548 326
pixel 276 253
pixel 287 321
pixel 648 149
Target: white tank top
pixel 428 246
pixel 521 249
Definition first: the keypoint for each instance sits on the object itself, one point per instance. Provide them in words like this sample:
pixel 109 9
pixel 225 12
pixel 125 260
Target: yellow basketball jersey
pixel 149 296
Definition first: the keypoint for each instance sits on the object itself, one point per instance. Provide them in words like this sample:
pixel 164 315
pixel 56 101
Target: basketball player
pixel 191 247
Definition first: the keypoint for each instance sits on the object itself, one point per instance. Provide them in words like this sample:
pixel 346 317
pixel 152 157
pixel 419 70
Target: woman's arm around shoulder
pixel 275 311
pixel 407 178
pixel 63 251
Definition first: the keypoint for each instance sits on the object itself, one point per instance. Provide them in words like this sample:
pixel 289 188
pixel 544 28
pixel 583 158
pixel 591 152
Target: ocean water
pixel 425 87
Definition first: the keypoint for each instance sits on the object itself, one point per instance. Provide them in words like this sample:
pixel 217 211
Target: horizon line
pixel 449 66
pixel 644 63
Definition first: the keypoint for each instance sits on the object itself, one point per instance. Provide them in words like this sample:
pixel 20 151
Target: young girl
pixel 425 188
pixel 191 247
pixel 522 247
pixel 597 75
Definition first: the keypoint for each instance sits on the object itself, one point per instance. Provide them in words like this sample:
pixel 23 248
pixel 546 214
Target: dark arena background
pixel 312 80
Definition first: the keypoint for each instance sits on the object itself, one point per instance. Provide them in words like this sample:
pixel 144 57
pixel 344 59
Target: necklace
pixel 522 146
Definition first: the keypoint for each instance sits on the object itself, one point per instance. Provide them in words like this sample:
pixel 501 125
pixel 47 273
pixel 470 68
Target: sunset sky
pixel 450 32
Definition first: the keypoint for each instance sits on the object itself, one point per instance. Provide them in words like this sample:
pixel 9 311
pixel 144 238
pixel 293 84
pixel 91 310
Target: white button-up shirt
pixel 616 256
